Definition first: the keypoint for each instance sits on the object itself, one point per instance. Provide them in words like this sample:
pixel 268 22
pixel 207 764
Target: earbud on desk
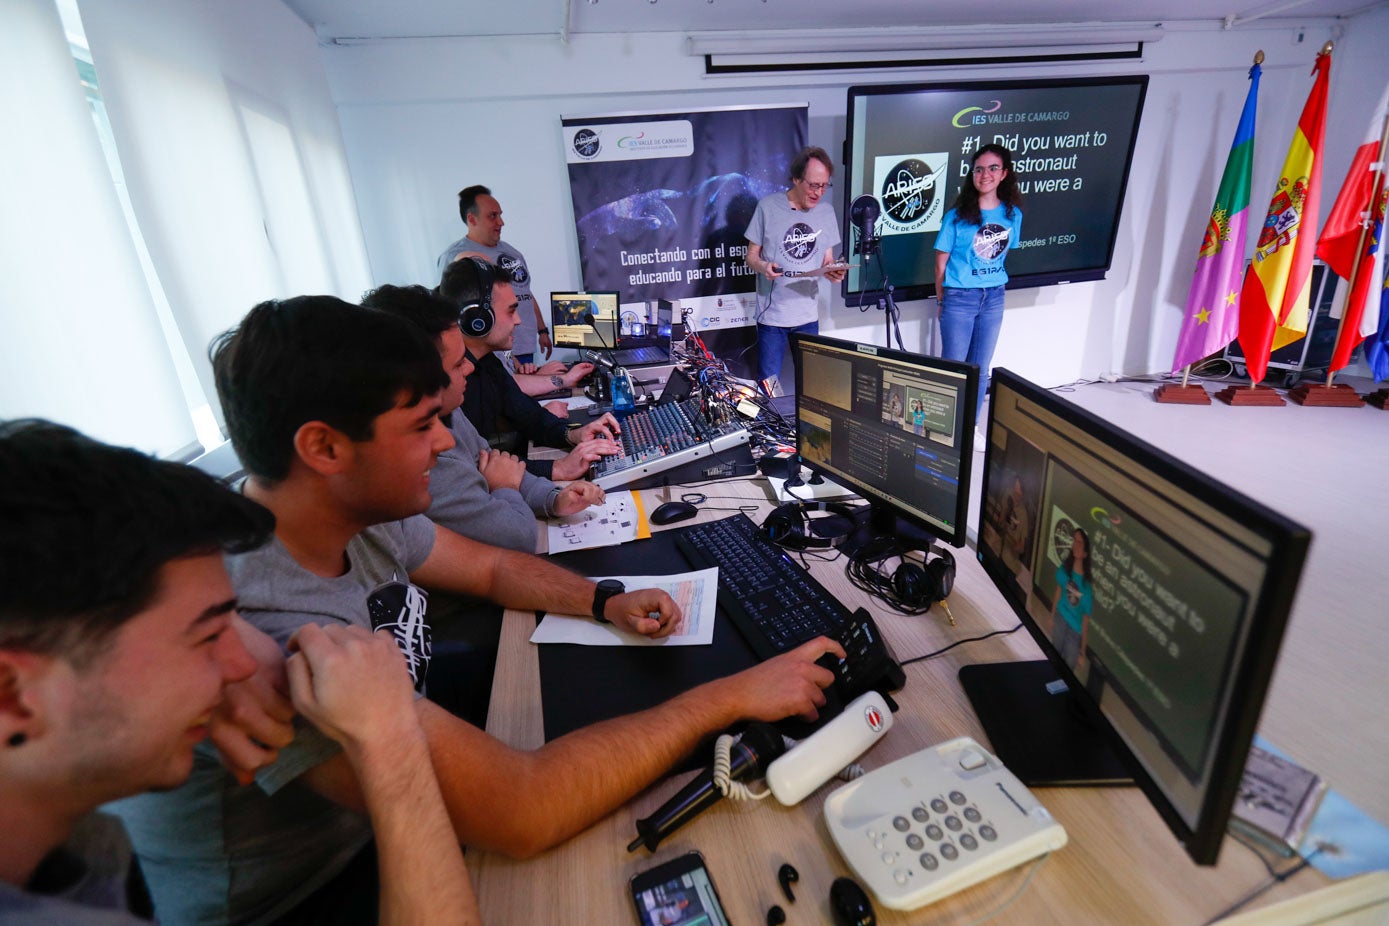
pixel 786 876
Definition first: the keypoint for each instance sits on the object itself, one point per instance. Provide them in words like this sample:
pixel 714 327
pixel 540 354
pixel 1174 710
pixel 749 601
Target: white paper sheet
pixel 695 592
pixel 619 519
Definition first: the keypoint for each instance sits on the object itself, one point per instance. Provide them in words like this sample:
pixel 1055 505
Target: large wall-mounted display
pixel 909 145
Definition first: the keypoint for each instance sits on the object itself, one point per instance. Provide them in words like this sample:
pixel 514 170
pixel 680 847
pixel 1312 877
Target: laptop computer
pixel 643 334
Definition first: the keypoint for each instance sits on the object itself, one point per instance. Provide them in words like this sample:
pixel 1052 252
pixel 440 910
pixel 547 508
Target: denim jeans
pixel 771 347
pixel 969 323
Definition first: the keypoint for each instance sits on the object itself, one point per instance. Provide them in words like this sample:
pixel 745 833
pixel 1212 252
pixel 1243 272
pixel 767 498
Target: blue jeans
pixel 771 347
pixel 969 323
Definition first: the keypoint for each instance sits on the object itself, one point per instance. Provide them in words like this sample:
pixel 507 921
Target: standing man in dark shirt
pixel 501 412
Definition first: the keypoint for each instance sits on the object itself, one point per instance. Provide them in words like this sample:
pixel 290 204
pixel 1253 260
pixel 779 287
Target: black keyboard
pixel 774 603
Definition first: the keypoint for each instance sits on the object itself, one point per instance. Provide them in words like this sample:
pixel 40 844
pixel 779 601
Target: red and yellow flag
pixel 1273 303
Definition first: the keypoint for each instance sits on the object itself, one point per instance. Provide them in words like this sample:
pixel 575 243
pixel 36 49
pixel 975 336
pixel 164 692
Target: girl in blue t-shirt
pixel 973 241
pixel 1075 598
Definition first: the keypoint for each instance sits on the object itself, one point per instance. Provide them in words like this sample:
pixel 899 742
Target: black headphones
pixel 477 318
pixel 913 587
pixel 791 526
pixel 922 586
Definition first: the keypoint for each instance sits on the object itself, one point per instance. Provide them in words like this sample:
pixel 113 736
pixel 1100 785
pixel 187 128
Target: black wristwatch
pixel 608 588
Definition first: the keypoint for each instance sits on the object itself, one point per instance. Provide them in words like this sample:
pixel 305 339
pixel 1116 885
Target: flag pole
pixel 1186 393
pixel 1366 222
pixel 1304 153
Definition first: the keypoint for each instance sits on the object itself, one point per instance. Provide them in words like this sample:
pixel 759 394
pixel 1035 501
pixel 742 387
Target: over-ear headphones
pixel 791 526
pixel 913 587
pixel 477 318
pixel 922 586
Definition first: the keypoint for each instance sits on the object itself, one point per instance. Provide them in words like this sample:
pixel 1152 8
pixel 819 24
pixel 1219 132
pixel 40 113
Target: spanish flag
pixel 1273 302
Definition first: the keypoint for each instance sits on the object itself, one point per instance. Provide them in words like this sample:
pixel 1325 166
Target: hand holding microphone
pixel 759 745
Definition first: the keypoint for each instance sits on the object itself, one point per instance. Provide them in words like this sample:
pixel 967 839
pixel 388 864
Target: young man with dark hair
pixel 792 231
pixel 482 215
pixel 119 642
pixel 498 409
pixel 481 493
pixel 349 546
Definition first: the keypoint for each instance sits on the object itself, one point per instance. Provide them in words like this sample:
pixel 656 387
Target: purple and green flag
pixel 1212 308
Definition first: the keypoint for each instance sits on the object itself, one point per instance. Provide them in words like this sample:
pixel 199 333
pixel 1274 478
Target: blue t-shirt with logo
pixel 977 251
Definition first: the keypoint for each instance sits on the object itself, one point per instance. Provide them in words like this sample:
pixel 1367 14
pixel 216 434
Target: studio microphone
pixel 863 214
pixel 593 357
pixel 749 757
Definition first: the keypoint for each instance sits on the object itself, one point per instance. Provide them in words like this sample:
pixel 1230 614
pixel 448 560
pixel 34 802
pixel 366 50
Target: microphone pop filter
pixel 864 211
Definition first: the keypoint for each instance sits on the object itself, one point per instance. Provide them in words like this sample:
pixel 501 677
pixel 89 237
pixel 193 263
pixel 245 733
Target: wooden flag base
pixel 1173 394
pixel 1250 395
pixel 1378 399
pixel 1321 396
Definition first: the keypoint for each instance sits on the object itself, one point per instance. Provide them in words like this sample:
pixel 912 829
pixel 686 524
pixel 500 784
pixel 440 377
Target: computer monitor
pixel 1158 596
pixel 569 327
pixel 893 427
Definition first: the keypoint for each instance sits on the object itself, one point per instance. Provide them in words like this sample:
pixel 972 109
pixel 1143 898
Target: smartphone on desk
pixel 677 893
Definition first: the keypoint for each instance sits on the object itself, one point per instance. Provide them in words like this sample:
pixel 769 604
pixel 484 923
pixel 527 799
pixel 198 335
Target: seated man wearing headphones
pixel 508 418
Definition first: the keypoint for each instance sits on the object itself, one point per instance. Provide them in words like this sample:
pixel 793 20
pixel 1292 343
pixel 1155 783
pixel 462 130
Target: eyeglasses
pixel 988 168
pixel 817 187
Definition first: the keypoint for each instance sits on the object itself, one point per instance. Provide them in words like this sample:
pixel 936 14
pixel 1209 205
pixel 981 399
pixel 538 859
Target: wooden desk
pixel 1122 865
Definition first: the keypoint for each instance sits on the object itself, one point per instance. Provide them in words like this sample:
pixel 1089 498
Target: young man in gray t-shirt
pixel 120 649
pixel 478 492
pixel 334 411
pixel 790 234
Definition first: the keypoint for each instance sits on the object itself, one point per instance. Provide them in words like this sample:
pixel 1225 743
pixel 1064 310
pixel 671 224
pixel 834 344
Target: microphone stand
pixel 868 246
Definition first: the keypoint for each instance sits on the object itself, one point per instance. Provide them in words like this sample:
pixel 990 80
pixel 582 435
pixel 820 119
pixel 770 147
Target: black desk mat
pixel 581 685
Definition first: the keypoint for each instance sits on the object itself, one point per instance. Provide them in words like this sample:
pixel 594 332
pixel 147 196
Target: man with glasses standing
pixel 792 234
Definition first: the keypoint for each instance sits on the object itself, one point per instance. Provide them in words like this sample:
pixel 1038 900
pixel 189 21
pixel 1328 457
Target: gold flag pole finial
pixel 1326 49
pixel 1259 56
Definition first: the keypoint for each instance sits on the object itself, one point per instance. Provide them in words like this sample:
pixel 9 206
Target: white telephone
pixel 936 822
pixel 819 757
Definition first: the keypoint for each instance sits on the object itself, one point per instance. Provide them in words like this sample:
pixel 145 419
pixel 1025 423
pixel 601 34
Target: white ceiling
pixel 398 18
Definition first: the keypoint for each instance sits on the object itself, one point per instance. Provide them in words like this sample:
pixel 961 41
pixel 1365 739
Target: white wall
pixel 423 118
pixel 231 149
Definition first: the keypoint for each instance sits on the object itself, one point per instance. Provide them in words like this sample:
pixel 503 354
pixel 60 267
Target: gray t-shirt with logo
pixel 795 241
pixel 513 266
pixel 215 852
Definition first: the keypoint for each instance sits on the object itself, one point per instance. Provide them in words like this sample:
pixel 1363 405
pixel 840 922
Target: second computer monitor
pixel 895 428
pixel 568 317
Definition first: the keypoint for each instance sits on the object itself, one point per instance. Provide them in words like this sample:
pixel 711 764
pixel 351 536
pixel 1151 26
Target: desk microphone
pixel 593 323
pixel 759 745
pixel 602 360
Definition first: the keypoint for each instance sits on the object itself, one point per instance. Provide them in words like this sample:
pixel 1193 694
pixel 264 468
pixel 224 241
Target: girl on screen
pixel 970 248
pixel 1075 597
pixel 918 417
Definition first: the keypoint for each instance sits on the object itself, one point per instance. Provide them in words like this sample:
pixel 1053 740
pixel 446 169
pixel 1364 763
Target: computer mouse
pixel 671 512
pixel 850 904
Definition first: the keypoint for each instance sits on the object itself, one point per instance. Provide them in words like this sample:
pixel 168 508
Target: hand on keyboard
pixel 789 685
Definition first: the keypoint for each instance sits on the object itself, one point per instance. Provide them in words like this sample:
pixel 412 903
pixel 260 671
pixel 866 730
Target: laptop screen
pixel 645 324
pixel 568 322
